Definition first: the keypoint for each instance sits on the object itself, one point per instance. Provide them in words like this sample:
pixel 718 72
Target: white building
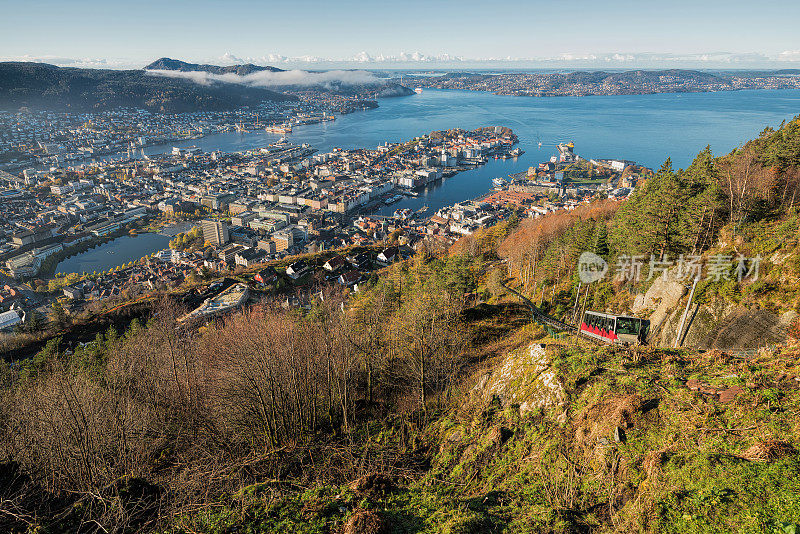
pixel 9 319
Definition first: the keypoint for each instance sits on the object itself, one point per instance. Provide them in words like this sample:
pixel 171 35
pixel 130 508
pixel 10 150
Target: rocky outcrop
pixel 661 299
pixel 526 379
pixel 702 320
pixel 745 328
pixel 720 325
pixel 725 326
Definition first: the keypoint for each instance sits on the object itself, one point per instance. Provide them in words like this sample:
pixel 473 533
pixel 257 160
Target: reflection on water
pixel 116 252
pixel 644 128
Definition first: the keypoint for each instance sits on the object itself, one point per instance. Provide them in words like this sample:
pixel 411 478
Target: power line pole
pixel 580 317
pixel 577 299
pixel 685 314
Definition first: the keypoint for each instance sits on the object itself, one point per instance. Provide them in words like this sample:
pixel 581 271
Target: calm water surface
pixel 644 128
pixel 116 252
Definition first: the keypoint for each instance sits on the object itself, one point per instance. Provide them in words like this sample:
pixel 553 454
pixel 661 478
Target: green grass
pixel 680 468
pixel 727 494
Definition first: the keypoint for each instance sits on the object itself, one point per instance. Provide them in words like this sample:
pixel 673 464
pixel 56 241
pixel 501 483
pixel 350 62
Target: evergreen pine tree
pixel 600 245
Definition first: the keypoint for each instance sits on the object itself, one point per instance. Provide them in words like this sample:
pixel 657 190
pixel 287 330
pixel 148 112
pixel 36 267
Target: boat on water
pixel 279 128
pixel 509 154
pixel 423 209
pixel 499 182
pixel 393 199
pixel 418 90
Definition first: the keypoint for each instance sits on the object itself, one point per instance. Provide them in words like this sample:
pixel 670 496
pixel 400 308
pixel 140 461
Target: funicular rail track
pixel 545 320
pixel 539 316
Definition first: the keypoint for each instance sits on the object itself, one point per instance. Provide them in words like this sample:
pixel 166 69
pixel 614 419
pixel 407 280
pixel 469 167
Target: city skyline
pixel 354 33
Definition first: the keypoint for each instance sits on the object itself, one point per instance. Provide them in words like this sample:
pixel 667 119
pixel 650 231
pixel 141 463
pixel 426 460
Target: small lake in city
pixel 113 253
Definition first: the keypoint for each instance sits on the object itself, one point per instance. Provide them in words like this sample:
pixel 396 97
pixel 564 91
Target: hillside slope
pixel 730 221
pixel 42 86
pixel 428 401
pixel 353 83
pixel 166 63
pixel 565 438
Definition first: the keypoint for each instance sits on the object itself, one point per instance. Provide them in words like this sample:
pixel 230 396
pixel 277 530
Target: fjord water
pixel 644 128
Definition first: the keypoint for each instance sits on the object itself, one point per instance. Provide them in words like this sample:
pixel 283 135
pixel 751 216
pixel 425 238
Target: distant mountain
pixel 596 77
pixel 378 89
pixel 166 63
pixel 392 89
pixel 585 83
pixel 644 76
pixel 43 86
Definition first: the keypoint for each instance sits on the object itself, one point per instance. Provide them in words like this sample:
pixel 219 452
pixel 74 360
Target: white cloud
pixel 98 63
pixel 300 78
pixel 229 59
pixel 361 57
pixel 790 55
pixel 412 57
pixel 367 59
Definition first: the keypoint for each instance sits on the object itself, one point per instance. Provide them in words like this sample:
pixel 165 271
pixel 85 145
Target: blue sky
pixel 616 33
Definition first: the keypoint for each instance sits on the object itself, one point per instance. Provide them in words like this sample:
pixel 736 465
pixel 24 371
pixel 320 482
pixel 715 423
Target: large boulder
pixel 661 299
pixel 526 379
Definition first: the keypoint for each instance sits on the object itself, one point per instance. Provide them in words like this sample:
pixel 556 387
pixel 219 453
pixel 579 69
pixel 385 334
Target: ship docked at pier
pixel 279 128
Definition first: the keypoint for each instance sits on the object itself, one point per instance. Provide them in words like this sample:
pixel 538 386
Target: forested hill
pixel 359 84
pixel 732 220
pixel 624 77
pixel 633 82
pixel 166 63
pixel 43 86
